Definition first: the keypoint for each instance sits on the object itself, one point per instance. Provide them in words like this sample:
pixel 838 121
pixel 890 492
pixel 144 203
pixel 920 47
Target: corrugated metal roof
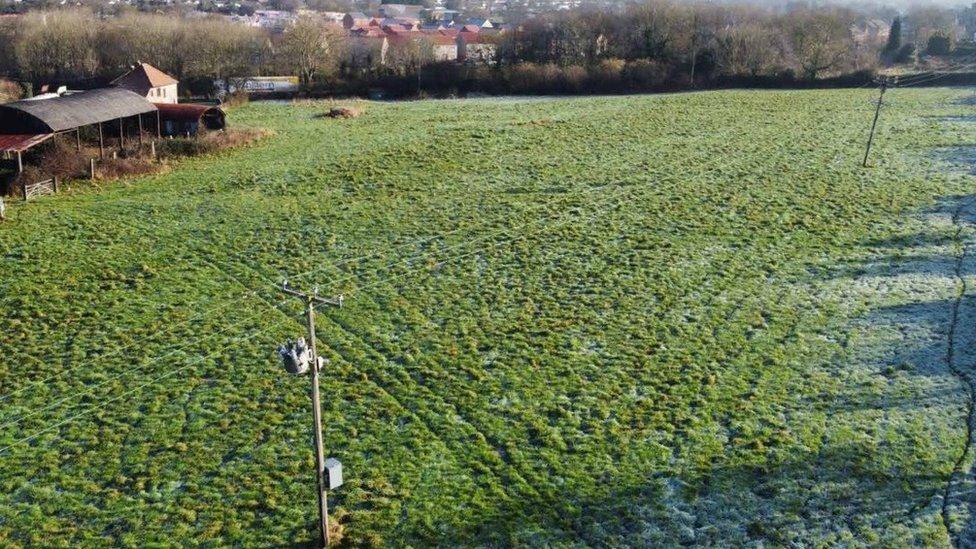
pixel 22 142
pixel 71 111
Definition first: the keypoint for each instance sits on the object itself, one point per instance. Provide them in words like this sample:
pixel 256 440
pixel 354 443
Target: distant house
pixel 481 23
pixel 367 50
pixel 400 10
pixel 870 31
pixel 149 82
pixel 273 20
pixel 333 16
pixel 442 15
pixel 475 49
pixel 355 19
pixel 399 24
pixel 443 47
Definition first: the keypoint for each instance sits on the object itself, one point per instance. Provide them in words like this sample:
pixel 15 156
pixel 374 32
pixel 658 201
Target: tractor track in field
pixel 967 381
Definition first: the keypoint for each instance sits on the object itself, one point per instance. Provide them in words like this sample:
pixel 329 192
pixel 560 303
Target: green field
pixel 655 320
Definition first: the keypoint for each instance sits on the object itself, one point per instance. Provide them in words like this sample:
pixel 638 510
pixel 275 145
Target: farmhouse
pixel 149 82
pixel 27 123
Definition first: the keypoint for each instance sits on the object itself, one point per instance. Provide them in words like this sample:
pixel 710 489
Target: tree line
pixel 656 44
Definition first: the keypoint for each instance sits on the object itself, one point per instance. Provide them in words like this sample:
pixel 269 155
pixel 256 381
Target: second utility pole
pixel 877 111
pixel 310 301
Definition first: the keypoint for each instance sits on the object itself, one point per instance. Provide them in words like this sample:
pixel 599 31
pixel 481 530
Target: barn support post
pixel 55 182
pixel 78 139
pixel 101 142
pixel 121 134
pixel 140 131
pixel 159 126
pixel 20 170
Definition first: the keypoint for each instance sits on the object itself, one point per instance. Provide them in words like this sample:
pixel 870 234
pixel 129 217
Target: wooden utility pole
pixel 883 83
pixel 311 300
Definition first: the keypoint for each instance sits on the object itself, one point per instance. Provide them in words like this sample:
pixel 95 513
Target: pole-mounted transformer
pixel 295 356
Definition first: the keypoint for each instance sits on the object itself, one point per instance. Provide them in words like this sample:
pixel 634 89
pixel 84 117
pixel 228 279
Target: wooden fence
pixel 40 188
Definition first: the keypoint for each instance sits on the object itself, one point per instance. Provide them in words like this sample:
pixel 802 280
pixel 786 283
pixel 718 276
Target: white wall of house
pixel 163 94
pixel 446 52
pixel 478 53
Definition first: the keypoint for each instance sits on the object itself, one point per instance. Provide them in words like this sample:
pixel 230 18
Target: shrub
pixel 236 99
pixel 208 142
pixel 57 159
pixel 574 78
pixel 524 77
pixel 904 55
pixel 644 74
pixel 10 91
pixel 938 44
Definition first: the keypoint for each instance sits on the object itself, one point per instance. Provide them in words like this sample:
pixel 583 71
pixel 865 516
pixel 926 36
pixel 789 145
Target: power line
pixel 120 350
pixel 88 389
pixel 120 396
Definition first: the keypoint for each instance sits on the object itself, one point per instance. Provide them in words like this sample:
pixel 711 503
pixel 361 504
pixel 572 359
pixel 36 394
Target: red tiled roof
pixel 475 39
pixel 440 40
pixel 371 32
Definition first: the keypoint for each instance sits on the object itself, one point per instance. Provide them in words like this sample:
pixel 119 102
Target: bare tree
pixel 306 46
pixel 820 40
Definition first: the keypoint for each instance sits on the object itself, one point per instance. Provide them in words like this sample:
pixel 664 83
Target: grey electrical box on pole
pixel 298 359
pixel 334 470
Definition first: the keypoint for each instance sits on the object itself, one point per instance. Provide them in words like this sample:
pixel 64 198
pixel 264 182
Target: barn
pixel 26 123
pixel 190 119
